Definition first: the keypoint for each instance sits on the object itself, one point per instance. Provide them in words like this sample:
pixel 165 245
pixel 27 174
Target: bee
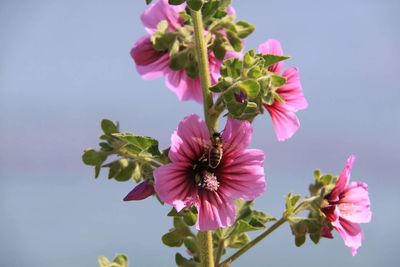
pixel 215 151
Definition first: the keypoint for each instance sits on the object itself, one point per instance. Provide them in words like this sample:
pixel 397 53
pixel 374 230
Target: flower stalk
pixel 205 238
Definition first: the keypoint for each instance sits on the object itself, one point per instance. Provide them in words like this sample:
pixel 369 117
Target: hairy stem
pixel 206 248
pixel 204 71
pixel 205 238
pixel 253 242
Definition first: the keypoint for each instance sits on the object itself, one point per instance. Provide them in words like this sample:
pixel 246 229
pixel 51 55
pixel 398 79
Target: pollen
pixel 210 181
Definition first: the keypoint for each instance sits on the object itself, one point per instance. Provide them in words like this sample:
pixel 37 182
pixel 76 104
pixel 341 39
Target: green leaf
pixel 219 47
pixel 121 260
pixel 97 169
pixel 244 29
pixel 126 171
pixel 299 240
pixel 148 2
pixel 238 241
pixel 179 60
pixel 194 4
pixel 103 261
pixel 190 244
pixel 175 2
pixel 315 237
pixel 108 127
pixel 235 108
pixel 270 59
pixel 235 41
pixel 250 87
pixel 92 157
pixel 182 261
pixel 139 144
pixel 244 226
pixel 231 68
pixel 277 81
pixel 172 239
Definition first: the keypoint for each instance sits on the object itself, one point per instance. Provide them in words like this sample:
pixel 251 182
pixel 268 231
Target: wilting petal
pixel 292 91
pixel 190 140
pixel 159 11
pixel 183 86
pixel 284 120
pixel 150 63
pixel 243 176
pixel 236 136
pixel 173 185
pixel 342 180
pixel 274 47
pixel 354 204
pixel 351 234
pixel 141 191
pixel 215 210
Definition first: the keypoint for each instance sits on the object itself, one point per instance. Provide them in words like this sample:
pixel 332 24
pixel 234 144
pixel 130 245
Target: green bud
pixel 244 29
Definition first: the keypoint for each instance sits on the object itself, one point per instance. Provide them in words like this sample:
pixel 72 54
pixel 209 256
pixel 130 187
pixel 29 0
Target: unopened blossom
pixel 189 181
pixel 348 206
pixel 152 64
pixel 140 192
pixel 283 115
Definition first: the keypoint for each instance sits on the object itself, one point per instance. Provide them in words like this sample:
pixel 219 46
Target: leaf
pixel 238 241
pixel 92 157
pixel 234 40
pixel 108 127
pixel 250 87
pixel 270 59
pixel 243 226
pixel 277 81
pixel 139 144
pixel 244 29
pixel 231 68
pixel 299 240
pixel 148 2
pixel 182 261
pixel 172 239
pixel 219 47
pixel 121 260
pixel 195 4
pixel 103 261
pixel 190 244
pixel 175 2
pixel 179 60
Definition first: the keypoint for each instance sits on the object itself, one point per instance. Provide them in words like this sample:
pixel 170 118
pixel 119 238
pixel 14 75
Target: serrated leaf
pixel 244 29
pixel 194 4
pixel 92 157
pixel 238 241
pixel 270 59
pixel 175 2
pixel 250 87
pixel 108 127
pixel 138 144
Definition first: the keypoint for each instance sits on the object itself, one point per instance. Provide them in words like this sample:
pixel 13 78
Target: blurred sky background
pixel 65 65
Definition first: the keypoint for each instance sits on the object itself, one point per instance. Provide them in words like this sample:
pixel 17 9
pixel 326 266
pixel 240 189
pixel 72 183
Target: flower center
pixel 204 176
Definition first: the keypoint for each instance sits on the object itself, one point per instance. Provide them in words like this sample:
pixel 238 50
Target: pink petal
pixel 174 186
pixel 236 136
pixel 243 176
pixel 351 234
pixel 273 47
pixel 150 63
pixel 354 204
pixel 331 213
pixel 215 210
pixel 183 86
pixel 159 11
pixel 141 191
pixel 325 232
pixel 342 180
pixel 284 120
pixel 292 91
pixel 190 140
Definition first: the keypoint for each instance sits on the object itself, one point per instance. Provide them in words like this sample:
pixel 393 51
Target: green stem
pixel 253 242
pixel 220 250
pixel 204 71
pixel 206 248
pixel 205 238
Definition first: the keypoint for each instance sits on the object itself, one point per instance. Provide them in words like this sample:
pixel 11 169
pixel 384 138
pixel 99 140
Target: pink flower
pixel 153 64
pixel 188 180
pixel 283 115
pixel 348 206
pixel 140 192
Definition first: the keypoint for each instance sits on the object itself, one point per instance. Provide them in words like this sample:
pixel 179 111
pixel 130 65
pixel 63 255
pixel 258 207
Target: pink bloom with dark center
pixel 349 206
pixel 283 115
pixel 153 64
pixel 188 180
pixel 140 192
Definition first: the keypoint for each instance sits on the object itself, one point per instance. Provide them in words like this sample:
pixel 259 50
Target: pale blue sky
pixel 65 65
